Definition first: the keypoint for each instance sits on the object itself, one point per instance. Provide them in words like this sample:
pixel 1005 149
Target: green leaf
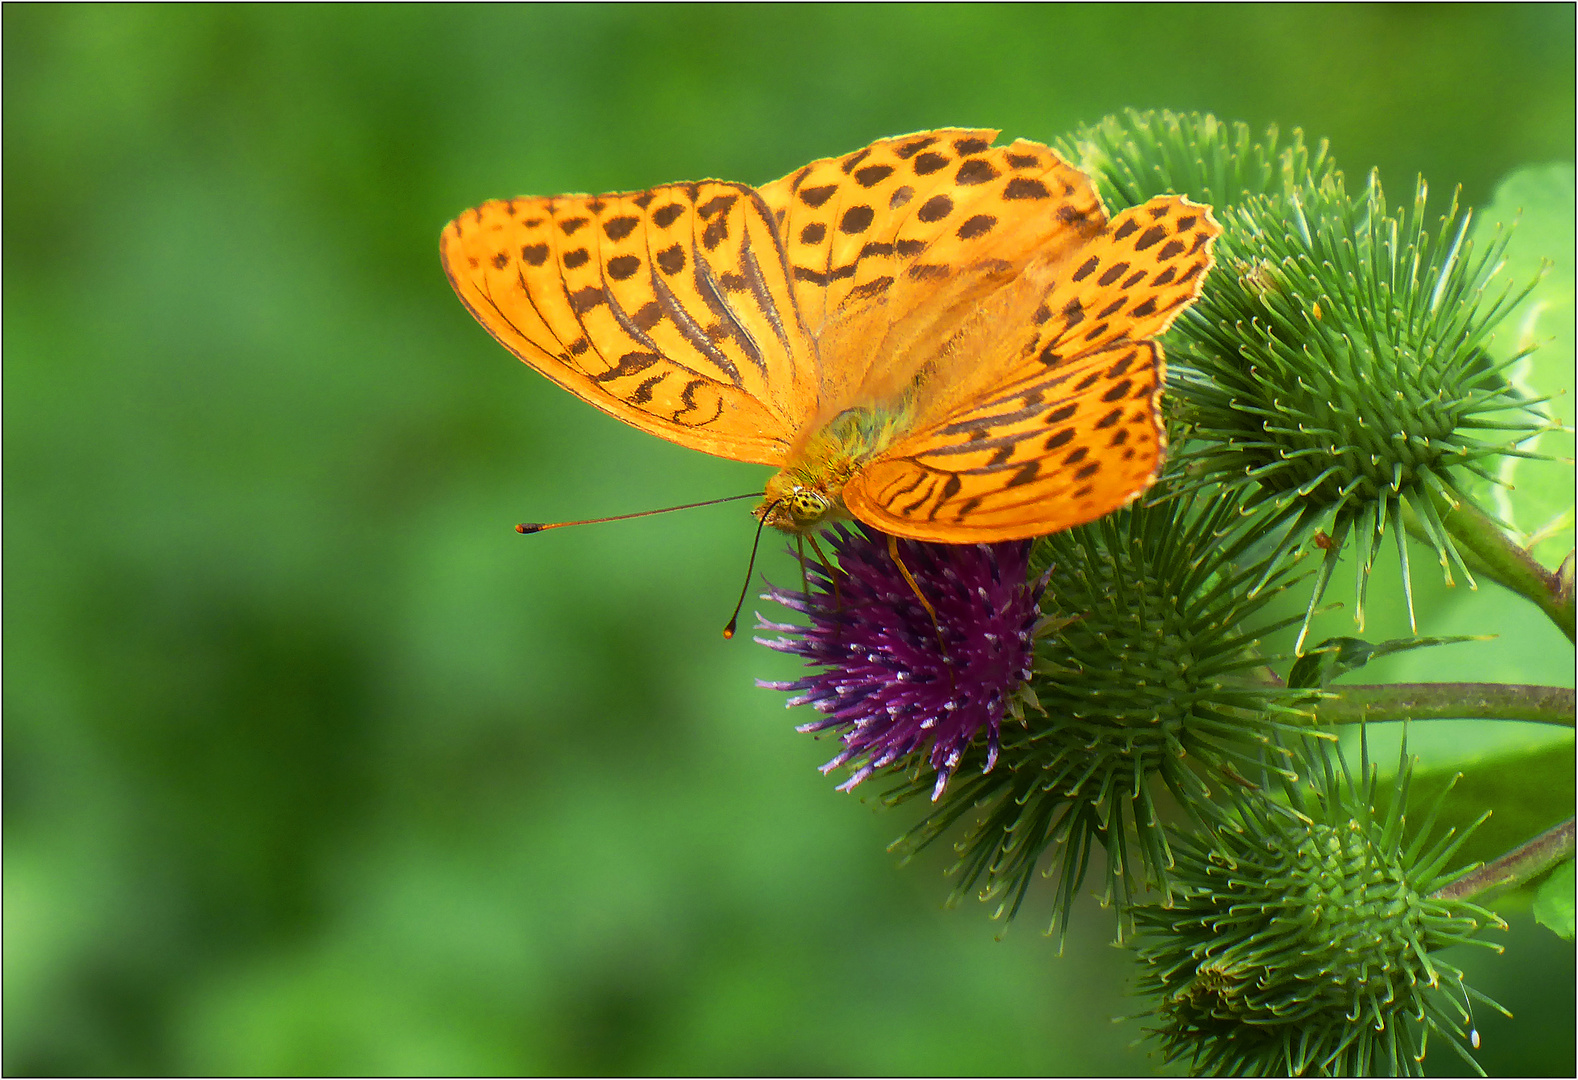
pixel 1553 901
pixel 1528 792
pixel 1340 655
pixel 1540 504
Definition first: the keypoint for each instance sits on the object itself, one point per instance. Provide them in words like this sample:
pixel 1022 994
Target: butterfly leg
pixel 893 550
pixel 832 575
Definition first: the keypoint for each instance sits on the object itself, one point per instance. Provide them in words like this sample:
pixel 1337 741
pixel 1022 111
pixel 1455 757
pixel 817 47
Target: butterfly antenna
pixel 539 526
pixel 728 631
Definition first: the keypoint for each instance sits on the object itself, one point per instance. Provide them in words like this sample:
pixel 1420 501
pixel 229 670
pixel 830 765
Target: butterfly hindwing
pixel 1055 449
pixel 667 308
pixel 1144 267
pixel 1058 422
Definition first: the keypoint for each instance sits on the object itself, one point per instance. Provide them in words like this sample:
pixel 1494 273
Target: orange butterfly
pixel 944 339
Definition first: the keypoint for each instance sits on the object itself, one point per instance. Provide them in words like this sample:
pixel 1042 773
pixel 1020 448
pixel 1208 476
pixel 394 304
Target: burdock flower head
pixel 1307 939
pixel 1339 360
pixel 1138 155
pixel 899 689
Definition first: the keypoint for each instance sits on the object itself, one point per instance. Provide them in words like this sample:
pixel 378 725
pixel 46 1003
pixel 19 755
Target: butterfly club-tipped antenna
pixel 529 527
pixel 750 568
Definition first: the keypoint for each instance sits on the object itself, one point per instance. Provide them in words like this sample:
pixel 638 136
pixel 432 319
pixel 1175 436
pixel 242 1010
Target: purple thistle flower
pixel 886 686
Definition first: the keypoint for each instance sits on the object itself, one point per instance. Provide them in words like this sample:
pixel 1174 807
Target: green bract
pixel 1303 938
pixel 1337 358
pixel 1139 155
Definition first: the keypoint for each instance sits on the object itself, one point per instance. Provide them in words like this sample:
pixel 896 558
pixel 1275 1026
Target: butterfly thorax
pixel 808 492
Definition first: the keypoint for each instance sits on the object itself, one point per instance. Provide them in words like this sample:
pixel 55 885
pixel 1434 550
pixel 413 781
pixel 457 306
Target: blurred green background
pixel 311 763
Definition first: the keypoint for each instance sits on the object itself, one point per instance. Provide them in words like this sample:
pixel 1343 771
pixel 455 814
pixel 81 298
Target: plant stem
pixel 1520 865
pixel 1447 701
pixel 1487 549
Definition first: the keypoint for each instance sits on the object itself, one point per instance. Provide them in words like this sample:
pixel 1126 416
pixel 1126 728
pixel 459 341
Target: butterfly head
pixel 793 505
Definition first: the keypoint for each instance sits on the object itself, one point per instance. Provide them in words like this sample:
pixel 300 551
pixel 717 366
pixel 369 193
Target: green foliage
pixel 1342 374
pixel 1137 156
pixel 1534 495
pixel 1335 657
pixel 1529 790
pixel 1553 903
pixel 1337 361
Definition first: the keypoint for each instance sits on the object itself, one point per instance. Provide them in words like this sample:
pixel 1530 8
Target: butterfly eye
pixel 808 504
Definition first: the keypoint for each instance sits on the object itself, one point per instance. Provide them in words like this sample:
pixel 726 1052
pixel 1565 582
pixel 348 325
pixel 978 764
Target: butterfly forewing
pixel 667 308
pixel 893 247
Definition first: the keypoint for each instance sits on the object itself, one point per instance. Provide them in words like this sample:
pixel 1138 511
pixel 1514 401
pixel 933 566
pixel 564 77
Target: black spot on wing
pixel 1026 473
pixel 975 171
pixel 1024 187
pixel 584 300
pixel 979 225
pixel 618 228
pixel 935 209
pixel 905 151
pixel 671 260
pixel 857 219
pixel 1112 273
pixel 632 363
pixel 872 175
pixel 1154 235
pixel 816 196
